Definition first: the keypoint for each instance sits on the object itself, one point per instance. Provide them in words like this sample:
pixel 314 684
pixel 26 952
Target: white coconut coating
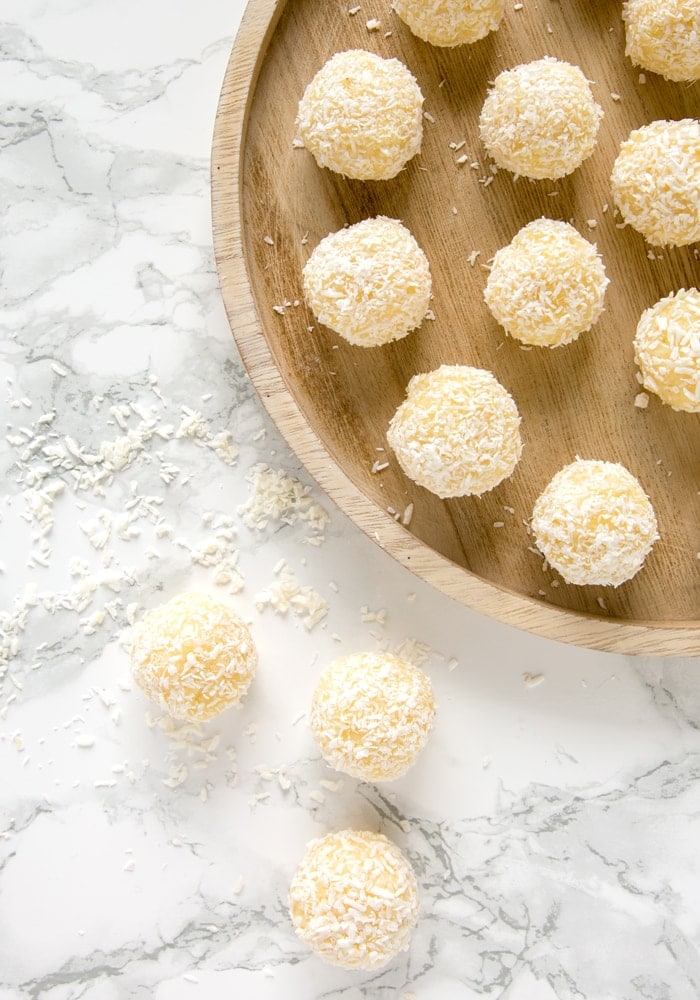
pixel 655 181
pixel 594 523
pixel 663 36
pixel 540 120
pixel 548 285
pixel 667 349
pixel 457 432
pixel 193 656
pixel 362 115
pixel 371 715
pixel 450 22
pixel 370 282
pixel 354 899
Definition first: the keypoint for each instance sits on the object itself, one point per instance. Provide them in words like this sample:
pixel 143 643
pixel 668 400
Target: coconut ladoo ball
pixel 540 120
pixel 354 899
pixel 362 116
pixel 370 282
pixel 450 22
pixel 663 36
pixel 655 181
pixel 371 715
pixel 667 349
pixel 548 285
pixel 457 433
pixel 594 523
pixel 193 656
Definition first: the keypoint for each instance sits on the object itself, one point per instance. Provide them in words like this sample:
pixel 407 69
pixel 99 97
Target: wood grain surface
pixel 333 401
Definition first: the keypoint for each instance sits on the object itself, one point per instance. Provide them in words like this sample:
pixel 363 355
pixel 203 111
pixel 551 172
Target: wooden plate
pixel 332 401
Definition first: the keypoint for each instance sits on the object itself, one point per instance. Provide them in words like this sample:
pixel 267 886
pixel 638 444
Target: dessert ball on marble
pixel 370 282
pixel 663 36
pixel 594 523
pixel 371 715
pixel 362 115
pixel 548 285
pixel 457 433
pixel 656 181
pixel 193 656
pixel 354 899
pixel 540 120
pixel 450 22
pixel 667 349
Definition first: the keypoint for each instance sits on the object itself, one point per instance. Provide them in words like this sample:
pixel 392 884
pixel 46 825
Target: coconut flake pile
pixel 656 181
pixel 193 656
pixel 457 432
pixel 548 285
pixel 370 282
pixel 667 349
pixel 450 22
pixel 354 899
pixel 371 715
pixel 540 120
pixel 594 523
pixel 362 115
pixel 663 36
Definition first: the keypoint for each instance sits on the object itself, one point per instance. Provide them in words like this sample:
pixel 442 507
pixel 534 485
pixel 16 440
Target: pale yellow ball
pixel 540 120
pixel 547 286
pixel 457 433
pixel 450 22
pixel 354 899
pixel 362 115
pixel 667 349
pixel 193 656
pixel 594 523
pixel 663 36
pixel 371 715
pixel 369 282
pixel 655 181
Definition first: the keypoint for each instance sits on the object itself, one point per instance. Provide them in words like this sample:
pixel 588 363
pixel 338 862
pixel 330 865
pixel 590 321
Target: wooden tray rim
pixel 656 638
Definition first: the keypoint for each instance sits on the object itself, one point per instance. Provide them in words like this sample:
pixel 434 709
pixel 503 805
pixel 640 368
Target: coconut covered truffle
pixel 371 715
pixel 370 282
pixel 193 656
pixel 663 36
pixel 548 285
pixel 656 181
pixel 457 432
pixel 362 116
pixel 540 120
pixel 354 899
pixel 667 349
pixel 450 22
pixel 594 523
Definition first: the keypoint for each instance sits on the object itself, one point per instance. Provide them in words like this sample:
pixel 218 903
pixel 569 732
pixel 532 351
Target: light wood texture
pixel 333 401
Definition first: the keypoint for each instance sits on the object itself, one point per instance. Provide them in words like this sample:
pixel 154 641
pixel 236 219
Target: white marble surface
pixel 554 827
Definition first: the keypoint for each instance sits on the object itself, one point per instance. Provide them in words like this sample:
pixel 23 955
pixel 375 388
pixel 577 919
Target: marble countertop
pixel 552 821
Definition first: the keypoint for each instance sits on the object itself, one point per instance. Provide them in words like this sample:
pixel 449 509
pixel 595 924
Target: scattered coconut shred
pixel 98 484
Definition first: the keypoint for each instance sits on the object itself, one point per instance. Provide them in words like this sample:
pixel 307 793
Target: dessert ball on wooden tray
pixel 663 36
pixel 540 120
pixel 362 115
pixel 372 714
pixel 450 22
pixel 354 899
pixel 193 656
pixel 667 349
pixel 457 432
pixel 370 282
pixel 548 285
pixel 594 523
pixel 656 181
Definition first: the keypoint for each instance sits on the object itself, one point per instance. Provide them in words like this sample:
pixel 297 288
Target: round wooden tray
pixel 332 401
